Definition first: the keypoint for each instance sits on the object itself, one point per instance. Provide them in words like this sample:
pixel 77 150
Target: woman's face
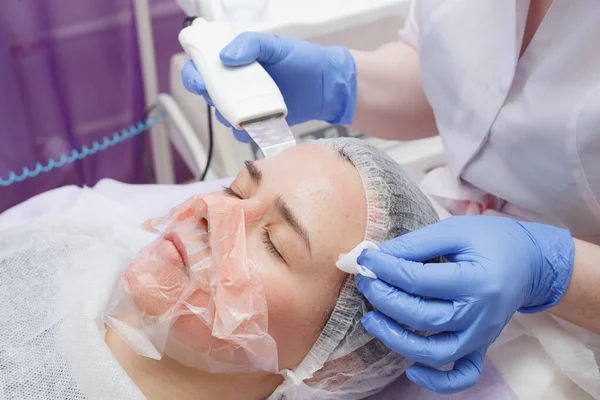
pixel 301 209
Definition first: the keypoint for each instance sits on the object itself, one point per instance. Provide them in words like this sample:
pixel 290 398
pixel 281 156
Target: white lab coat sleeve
pixel 410 32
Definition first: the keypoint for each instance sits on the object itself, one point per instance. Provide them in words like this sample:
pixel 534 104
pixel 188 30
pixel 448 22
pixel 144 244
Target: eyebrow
pixel 254 172
pixel 291 219
pixel 281 206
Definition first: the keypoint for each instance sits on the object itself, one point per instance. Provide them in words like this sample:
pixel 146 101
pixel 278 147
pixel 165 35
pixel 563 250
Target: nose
pixel 253 211
pixel 201 214
pixel 203 222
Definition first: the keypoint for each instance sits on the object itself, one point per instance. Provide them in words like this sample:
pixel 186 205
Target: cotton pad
pixel 348 262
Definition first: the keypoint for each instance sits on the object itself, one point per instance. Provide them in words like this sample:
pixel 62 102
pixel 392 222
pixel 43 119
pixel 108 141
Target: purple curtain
pixel 70 74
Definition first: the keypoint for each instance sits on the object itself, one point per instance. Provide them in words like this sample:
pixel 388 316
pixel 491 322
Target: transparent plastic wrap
pixel 192 294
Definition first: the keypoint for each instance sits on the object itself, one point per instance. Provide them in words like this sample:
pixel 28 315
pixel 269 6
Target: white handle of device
pixel 245 94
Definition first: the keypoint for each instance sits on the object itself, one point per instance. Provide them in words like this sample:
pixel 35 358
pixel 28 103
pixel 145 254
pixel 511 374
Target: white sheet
pixel 144 201
pixel 523 361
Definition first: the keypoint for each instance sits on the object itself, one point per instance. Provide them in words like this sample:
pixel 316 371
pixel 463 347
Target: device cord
pixel 210 142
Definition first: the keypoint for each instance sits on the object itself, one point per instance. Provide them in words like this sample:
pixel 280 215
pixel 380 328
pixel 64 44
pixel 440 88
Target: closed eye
pixel 230 192
pixel 266 239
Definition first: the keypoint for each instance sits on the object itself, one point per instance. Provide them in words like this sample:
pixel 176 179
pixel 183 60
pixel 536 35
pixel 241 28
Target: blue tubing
pixel 84 152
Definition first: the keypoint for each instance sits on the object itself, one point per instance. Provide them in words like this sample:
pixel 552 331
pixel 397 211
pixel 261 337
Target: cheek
pixel 280 294
pixel 277 282
pixel 297 305
pixel 287 319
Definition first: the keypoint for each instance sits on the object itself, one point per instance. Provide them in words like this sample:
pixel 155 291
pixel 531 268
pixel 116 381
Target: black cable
pixel 148 111
pixel 210 143
pixel 188 21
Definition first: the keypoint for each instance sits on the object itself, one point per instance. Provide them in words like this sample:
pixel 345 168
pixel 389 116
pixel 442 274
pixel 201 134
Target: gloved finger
pixel 445 281
pixel 193 82
pixel 435 350
pixel 253 46
pixel 427 243
pixel 414 311
pixel 465 373
pixel 222 119
pixel 241 136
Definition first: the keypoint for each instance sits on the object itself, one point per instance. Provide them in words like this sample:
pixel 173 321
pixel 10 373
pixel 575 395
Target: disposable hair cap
pixel 346 362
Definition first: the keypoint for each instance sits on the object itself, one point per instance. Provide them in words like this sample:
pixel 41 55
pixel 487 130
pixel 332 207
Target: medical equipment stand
pixel 161 147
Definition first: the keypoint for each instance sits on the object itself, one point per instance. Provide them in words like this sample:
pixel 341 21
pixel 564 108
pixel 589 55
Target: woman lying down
pixel 236 296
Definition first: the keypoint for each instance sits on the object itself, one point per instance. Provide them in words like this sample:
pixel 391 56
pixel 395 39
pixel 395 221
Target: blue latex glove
pixel 317 82
pixel 496 266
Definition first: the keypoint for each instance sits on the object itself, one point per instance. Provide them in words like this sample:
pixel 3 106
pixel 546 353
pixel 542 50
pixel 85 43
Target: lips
pixel 192 246
pixel 175 240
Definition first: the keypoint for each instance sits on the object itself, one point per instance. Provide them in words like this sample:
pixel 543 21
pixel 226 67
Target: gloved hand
pixel 317 82
pixel 497 266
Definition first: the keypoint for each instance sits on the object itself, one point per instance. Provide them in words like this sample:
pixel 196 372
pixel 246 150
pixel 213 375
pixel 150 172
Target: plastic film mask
pixel 193 294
